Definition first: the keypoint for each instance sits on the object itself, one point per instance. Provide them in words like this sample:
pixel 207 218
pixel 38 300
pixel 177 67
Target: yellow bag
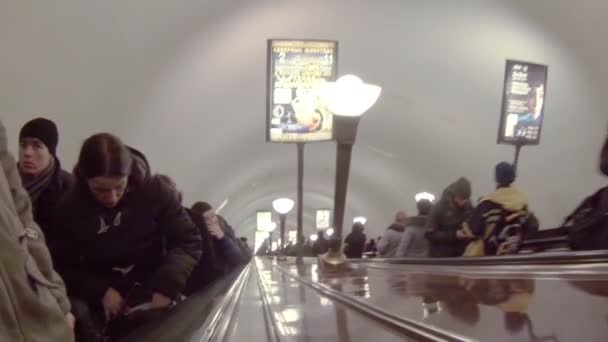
pixel 475 248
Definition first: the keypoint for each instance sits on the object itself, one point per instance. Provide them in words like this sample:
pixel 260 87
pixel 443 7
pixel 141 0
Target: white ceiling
pixel 184 81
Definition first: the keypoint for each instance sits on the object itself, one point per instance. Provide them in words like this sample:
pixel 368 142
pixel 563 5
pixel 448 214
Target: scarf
pixel 35 185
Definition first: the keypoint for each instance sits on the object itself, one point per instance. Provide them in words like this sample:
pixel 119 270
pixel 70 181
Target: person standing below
pixel 355 242
pixel 221 252
pixel 446 219
pixel 413 242
pixel 35 307
pixel 387 247
pixel 501 219
pixel 40 170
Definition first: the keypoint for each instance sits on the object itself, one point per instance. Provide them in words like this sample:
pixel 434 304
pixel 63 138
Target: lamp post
pixel 270 227
pixel 347 98
pixel 282 206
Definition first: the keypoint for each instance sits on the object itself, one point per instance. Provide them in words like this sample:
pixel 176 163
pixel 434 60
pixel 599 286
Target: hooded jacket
pixel 147 238
pixel 506 208
pixel 445 220
pixel 387 247
pixel 32 296
pixel 413 242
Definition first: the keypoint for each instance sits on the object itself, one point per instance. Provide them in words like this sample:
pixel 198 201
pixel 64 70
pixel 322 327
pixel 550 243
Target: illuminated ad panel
pixel 523 104
pixel 263 219
pixel 323 218
pixel 296 69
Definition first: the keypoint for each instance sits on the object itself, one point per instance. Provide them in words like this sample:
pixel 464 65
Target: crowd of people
pixel 90 249
pixel 452 227
pixel 497 225
pixel 100 244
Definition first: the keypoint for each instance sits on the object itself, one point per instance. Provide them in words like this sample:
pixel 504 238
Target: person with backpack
pixel 500 220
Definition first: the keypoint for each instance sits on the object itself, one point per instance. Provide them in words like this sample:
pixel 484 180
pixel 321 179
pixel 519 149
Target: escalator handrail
pixel 408 326
pixel 587 257
pixel 216 325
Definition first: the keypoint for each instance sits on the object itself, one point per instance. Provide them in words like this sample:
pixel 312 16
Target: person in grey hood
pixel 387 247
pixel 413 242
pixel 34 305
pixel 447 218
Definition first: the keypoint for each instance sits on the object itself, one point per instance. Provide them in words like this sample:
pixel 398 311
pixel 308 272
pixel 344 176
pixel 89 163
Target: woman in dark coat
pixel 40 169
pixel 112 230
pixel 355 242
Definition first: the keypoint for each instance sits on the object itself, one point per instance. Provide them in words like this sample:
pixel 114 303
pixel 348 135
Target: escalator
pixel 555 296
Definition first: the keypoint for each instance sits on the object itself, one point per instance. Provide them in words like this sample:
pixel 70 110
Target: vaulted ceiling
pixel 184 81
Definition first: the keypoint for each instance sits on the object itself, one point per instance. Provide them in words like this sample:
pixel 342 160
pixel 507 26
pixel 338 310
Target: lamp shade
pixel 349 96
pixel 314 237
pixel 269 227
pixel 360 219
pixel 329 232
pixel 283 205
pixel 424 196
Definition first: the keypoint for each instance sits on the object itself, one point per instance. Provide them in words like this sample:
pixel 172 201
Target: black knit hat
pixel 44 130
pixel 504 174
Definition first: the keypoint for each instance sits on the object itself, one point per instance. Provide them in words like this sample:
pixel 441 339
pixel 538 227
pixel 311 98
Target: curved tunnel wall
pixel 184 82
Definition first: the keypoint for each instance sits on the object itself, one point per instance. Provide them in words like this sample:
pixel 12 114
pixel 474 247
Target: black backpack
pixel 587 226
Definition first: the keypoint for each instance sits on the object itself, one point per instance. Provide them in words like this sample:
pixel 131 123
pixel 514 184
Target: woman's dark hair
pixel 104 155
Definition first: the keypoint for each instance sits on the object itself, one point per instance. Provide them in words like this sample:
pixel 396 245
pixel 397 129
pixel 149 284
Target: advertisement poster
pixel 323 218
pixel 296 69
pixel 263 219
pixel 523 104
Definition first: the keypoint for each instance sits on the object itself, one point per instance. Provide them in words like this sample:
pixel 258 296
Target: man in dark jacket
pixel 413 242
pixel 447 218
pixel 221 252
pixel 501 219
pixel 588 224
pixel 40 170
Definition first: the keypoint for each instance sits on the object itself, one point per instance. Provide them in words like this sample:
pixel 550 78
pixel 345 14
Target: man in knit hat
pixel 446 220
pixel 502 218
pixel 40 169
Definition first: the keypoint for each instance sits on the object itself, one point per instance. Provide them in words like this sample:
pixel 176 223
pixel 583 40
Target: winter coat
pixel 499 217
pixel 355 242
pixel 61 184
pixel 413 241
pixel 32 296
pixel 445 220
pixel 219 256
pixel 387 247
pixel 103 248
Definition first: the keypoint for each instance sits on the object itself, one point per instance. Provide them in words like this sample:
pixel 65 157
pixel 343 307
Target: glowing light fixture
pixel 360 219
pixel 283 205
pixel 314 237
pixel 349 96
pixel 424 196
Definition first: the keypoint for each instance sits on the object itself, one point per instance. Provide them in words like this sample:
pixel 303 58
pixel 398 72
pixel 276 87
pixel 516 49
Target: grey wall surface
pixel 184 81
